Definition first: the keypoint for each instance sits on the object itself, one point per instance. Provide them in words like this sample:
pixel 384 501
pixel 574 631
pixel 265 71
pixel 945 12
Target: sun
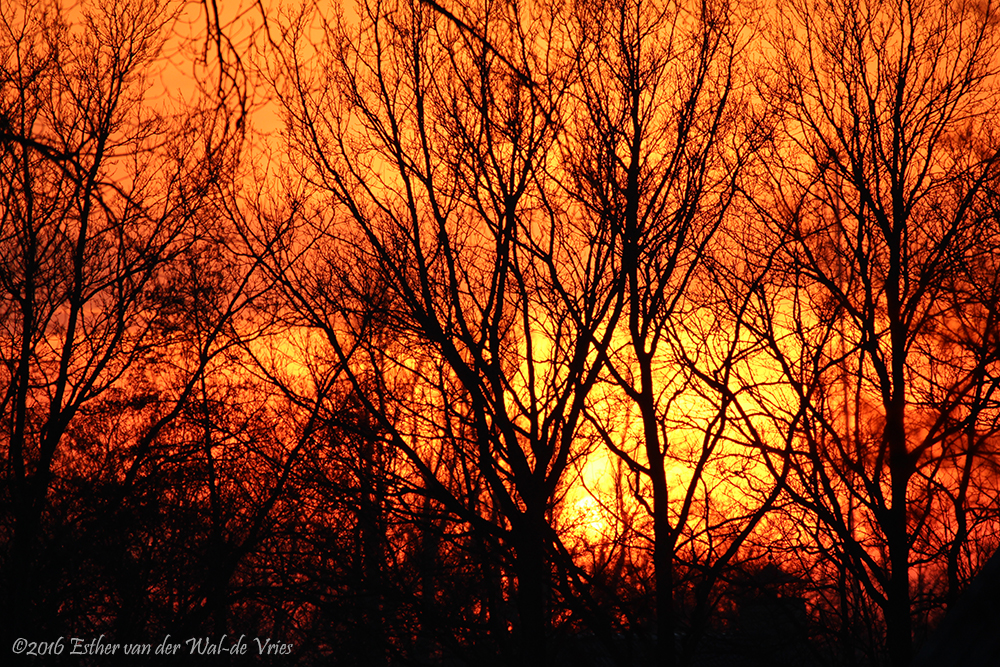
pixel 589 519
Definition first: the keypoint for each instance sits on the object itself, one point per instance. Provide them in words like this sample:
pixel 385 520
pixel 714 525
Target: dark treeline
pixel 629 332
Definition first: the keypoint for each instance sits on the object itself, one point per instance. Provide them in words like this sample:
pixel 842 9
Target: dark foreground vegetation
pixel 625 332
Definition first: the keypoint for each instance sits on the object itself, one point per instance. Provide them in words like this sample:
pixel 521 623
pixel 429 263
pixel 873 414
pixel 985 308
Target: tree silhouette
pixel 432 152
pixel 872 315
pixel 103 200
pixel 659 140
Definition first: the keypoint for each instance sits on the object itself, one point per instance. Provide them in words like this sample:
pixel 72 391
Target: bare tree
pixel 103 198
pixel 660 135
pixel 874 315
pixel 429 138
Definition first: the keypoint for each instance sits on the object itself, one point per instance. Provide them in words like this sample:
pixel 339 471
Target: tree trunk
pixel 531 589
pixel 664 571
